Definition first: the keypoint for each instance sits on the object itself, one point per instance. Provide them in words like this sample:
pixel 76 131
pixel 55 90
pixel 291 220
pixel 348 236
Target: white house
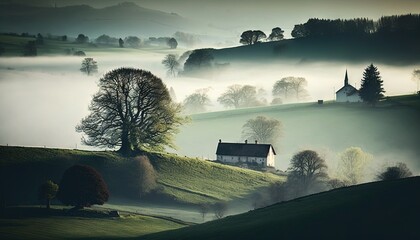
pixel 246 153
pixel 348 93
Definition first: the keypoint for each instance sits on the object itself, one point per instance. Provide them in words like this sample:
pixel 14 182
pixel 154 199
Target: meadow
pixel 378 210
pixel 33 223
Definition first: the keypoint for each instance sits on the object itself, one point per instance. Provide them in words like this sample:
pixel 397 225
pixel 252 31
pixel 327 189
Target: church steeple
pixel 346 79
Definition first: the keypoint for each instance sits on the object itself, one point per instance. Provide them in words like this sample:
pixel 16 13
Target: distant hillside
pixel 180 179
pixel 387 131
pixel 393 51
pixel 379 210
pixel 120 20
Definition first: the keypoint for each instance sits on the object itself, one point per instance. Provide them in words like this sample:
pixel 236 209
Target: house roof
pixel 244 149
pixel 352 90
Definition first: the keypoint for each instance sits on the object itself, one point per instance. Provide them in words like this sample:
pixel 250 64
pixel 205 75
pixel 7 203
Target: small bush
pixel 400 170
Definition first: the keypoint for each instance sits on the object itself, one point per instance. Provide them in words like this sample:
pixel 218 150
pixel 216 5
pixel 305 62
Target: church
pixel 347 93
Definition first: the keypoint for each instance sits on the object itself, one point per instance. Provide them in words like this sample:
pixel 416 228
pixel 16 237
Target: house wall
pixel 242 159
pixel 342 97
pixel 270 158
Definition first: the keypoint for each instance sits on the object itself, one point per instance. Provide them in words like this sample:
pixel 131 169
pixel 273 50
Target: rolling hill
pixel 395 50
pixel 120 20
pixel 180 179
pixel 379 210
pixel 387 131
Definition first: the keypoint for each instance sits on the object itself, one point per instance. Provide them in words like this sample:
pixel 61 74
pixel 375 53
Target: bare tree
pixel 282 87
pixel 298 86
pixel 197 102
pixel 263 129
pixel 171 64
pixel 204 209
pixel 352 164
pixel 132 110
pixel 307 168
pixel 239 96
pixel 400 170
pixel 89 66
pixel 220 209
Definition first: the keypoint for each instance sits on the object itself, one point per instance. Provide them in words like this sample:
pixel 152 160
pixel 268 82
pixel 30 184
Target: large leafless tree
pixel 132 110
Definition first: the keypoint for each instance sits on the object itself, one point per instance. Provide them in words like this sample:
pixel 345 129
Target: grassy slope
pixel 385 131
pixel 37 226
pixel 380 210
pixel 182 179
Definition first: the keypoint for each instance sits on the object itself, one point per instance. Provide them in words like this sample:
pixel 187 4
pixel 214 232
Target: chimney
pixel 246 141
pixel 256 142
pixel 220 140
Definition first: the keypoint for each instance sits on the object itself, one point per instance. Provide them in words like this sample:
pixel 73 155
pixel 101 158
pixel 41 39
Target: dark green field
pixel 379 210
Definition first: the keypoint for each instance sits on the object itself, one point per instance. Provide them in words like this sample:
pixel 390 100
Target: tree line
pixel 386 25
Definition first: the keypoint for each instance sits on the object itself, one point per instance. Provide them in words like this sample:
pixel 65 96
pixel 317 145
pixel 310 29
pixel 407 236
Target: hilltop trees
pixel 47 191
pixel 105 39
pixel 82 186
pixel 89 66
pixel 371 90
pixel 276 34
pixel 171 64
pixel 133 41
pixel 239 96
pixel 263 129
pixel 200 59
pixel 81 38
pixel 133 111
pixel 251 37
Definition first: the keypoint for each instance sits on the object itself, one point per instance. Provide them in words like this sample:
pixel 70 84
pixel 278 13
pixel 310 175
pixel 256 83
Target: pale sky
pixel 262 14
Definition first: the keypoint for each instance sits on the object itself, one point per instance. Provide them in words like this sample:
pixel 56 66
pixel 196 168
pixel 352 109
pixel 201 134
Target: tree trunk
pixel 48 203
pixel 125 143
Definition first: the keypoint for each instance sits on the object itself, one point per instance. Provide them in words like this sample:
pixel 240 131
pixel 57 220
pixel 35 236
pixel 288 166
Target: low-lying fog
pixel 42 99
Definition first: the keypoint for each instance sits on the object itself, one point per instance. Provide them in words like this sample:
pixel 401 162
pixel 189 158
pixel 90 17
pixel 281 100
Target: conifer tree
pixel 371 90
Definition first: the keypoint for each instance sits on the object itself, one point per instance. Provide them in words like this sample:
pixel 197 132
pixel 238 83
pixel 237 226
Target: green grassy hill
pixel 387 131
pixel 35 223
pixel 180 179
pixel 379 210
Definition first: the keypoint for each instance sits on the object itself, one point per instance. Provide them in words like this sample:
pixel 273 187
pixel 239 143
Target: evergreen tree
pixel 371 90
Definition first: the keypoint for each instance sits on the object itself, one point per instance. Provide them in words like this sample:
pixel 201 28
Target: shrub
pixel 82 186
pixel 400 170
